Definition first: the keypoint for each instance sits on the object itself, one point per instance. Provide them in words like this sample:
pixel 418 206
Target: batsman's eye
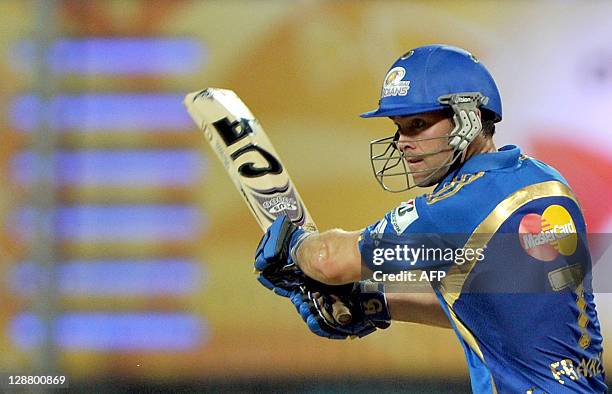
pixel 414 125
pixel 418 124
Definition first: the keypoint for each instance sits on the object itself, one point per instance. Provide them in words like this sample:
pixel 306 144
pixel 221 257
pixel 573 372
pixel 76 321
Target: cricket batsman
pixel 504 229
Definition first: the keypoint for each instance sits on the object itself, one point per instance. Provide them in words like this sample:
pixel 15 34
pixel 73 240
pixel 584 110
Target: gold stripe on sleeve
pixel 457 275
pixel 450 287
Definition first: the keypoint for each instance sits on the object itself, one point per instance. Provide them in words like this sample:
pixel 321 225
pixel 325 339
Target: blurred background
pixel 126 252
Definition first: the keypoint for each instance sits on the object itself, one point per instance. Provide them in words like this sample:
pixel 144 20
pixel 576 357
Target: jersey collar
pixel 507 156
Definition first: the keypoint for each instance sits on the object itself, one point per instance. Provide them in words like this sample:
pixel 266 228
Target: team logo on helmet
pixel 393 84
pixel 548 235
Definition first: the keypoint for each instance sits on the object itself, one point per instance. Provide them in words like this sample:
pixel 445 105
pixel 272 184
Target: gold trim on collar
pixel 452 188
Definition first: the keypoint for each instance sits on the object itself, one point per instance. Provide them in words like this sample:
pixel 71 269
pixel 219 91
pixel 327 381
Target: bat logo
pixel 206 93
pixel 231 133
pixel 279 201
pixel 279 204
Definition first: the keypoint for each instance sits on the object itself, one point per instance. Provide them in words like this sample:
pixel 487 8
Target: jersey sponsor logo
pixel 393 84
pixel 565 370
pixel 546 236
pixel 403 216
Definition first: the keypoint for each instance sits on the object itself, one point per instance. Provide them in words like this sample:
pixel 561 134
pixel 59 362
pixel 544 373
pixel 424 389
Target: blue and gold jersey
pixel 519 294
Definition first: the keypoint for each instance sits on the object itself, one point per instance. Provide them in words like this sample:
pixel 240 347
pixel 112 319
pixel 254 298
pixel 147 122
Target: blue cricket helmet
pixel 417 79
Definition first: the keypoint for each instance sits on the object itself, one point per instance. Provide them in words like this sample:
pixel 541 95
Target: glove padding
pixel 365 300
pixel 277 270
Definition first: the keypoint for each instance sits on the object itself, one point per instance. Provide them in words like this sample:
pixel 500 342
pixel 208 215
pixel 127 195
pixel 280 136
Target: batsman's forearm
pixel 421 308
pixel 331 257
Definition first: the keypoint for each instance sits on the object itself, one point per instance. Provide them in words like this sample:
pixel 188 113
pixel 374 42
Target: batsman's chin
pixel 423 182
pixel 423 178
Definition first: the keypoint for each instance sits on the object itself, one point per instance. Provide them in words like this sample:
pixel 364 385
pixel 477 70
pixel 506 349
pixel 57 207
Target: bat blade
pixel 254 166
pixel 249 157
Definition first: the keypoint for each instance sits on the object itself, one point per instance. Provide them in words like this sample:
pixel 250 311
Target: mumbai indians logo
pixel 393 84
pixel 548 235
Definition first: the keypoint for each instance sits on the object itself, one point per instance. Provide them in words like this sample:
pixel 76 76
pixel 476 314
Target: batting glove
pixel 277 270
pixel 366 302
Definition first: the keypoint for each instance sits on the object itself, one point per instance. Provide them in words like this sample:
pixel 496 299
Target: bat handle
pixel 341 313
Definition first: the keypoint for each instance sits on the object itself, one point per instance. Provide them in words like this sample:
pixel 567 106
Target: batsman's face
pixel 423 140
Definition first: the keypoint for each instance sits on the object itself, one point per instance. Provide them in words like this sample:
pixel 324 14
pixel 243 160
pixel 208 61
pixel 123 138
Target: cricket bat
pixel 252 163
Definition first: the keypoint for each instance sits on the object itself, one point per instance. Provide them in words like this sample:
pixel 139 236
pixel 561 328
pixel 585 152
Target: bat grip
pixel 341 313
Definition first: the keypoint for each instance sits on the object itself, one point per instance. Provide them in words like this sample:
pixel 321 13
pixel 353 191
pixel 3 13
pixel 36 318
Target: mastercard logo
pixel 546 236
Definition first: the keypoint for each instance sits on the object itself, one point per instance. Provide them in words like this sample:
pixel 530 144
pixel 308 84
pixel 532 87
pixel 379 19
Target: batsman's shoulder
pixel 460 204
pixel 407 217
pixel 453 206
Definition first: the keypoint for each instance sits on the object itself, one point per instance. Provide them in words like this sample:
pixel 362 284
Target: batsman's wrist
pixel 296 241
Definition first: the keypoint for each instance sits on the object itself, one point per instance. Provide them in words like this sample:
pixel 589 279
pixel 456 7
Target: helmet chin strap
pixel 463 154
